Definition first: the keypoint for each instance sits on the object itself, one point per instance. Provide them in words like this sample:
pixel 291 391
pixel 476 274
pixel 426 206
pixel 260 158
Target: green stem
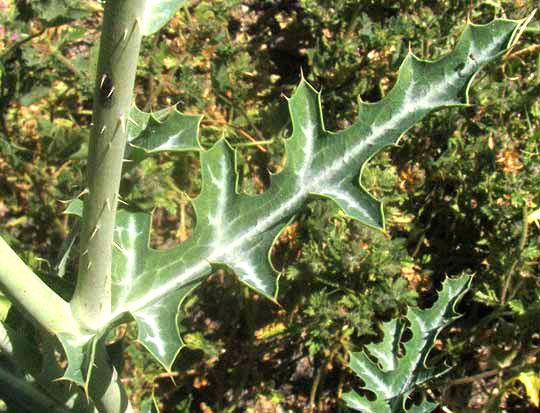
pixel 105 388
pixel 119 52
pixel 28 395
pixel 32 295
pixel 320 376
pixel 522 244
pixel 530 29
pixel 313 391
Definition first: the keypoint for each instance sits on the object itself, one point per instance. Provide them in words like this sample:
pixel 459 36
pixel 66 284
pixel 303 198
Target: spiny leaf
pixel 164 130
pixel 132 277
pixel 236 231
pixel 157 327
pixel 80 352
pixel 395 376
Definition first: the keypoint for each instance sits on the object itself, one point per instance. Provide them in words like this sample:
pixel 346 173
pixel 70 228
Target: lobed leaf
pixel 395 376
pixel 236 231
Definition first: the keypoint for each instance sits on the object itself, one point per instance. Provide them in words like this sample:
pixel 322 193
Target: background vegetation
pixel 461 191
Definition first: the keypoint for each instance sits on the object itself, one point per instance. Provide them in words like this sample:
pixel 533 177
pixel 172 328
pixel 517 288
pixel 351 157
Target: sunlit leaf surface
pixel 236 231
pixel 400 366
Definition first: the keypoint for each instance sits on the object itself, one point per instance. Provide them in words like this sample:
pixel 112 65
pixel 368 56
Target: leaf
pixel 148 406
pixel 395 376
pixel 80 353
pixel 236 231
pixel 58 12
pixel 157 327
pixel 531 382
pixel 133 261
pixel 158 13
pixel 534 216
pixel 164 130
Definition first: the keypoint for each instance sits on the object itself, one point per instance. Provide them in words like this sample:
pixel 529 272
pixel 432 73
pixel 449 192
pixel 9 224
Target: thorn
pixel 110 93
pixel 102 131
pixel 84 253
pixel 122 121
pixel 121 201
pixel 103 79
pixel 127 160
pixel 89 265
pixel 133 121
pixel 95 232
pixel 84 192
pixel 136 23
pixel 122 250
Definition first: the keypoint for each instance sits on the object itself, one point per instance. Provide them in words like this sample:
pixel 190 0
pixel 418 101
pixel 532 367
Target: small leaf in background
pixel 531 382
pixel 158 13
pixel 395 375
pixel 58 12
pixel 149 406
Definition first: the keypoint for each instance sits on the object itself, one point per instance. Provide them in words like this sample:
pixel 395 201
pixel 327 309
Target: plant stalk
pixel 117 64
pixel 108 393
pixel 23 392
pixel 521 246
pixel 32 295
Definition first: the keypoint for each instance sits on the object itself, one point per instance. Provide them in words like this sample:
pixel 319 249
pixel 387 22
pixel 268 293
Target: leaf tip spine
pixel 119 248
pixel 130 119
